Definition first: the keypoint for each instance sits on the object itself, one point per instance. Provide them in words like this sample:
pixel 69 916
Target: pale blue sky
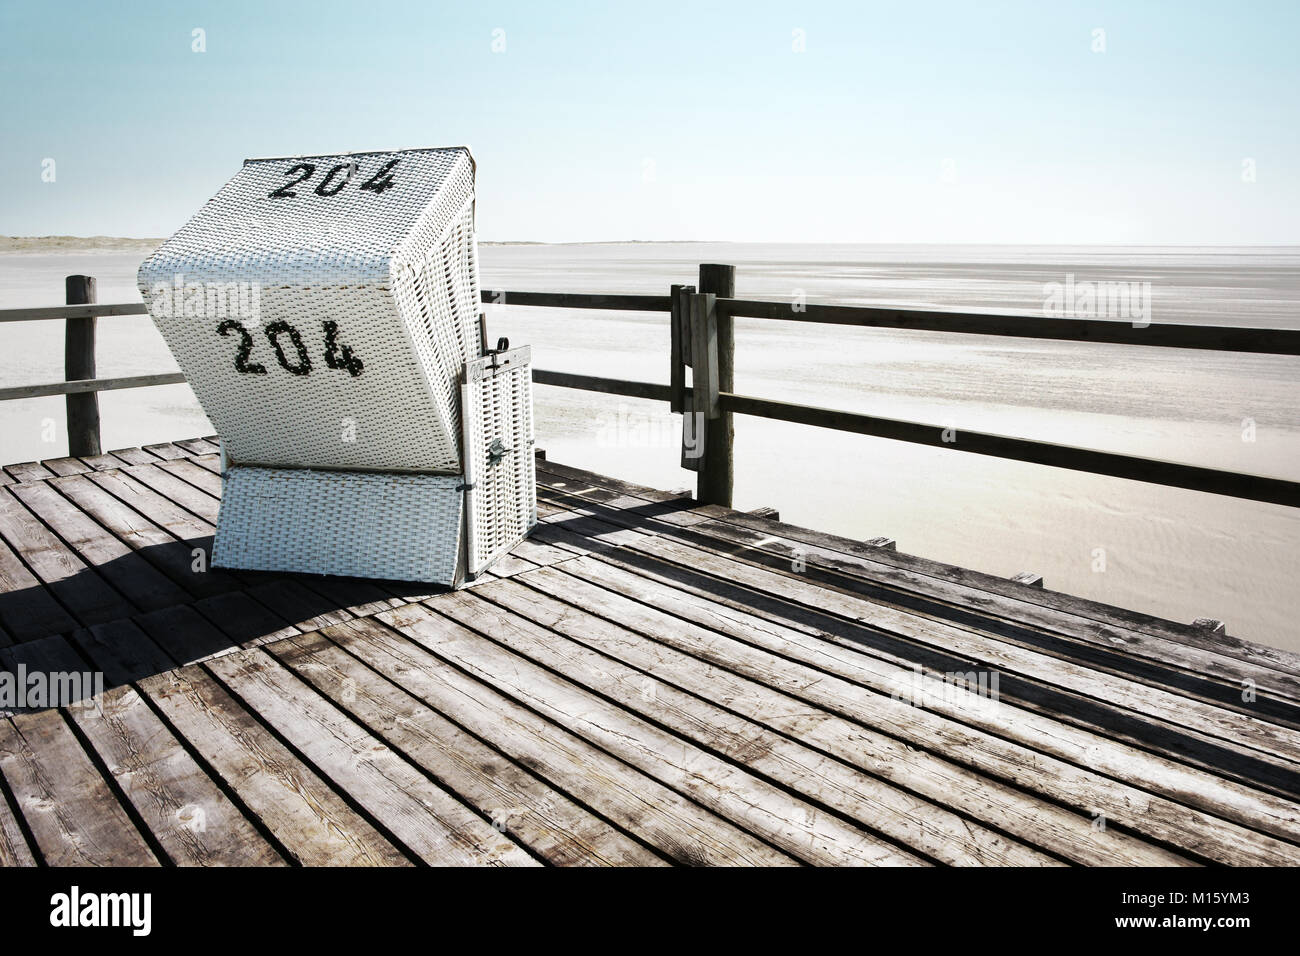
pixel 900 122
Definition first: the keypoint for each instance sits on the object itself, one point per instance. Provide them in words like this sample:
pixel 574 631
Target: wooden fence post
pixel 78 364
pixel 714 481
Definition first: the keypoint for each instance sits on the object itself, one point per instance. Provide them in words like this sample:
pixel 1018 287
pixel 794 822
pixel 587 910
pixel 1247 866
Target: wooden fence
pixel 701 320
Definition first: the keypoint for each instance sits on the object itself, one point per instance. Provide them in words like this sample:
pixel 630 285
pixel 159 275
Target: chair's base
pixel 357 524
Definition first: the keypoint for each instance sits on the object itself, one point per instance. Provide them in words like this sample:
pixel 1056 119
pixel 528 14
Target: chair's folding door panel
pixel 500 472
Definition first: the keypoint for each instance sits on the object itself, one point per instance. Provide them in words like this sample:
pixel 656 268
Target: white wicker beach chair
pixel 325 310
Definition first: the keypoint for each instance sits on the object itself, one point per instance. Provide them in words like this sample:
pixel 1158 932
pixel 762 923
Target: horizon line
pixel 762 242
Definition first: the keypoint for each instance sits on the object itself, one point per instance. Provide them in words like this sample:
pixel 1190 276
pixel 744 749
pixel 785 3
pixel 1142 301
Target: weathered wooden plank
pixel 609 509
pixel 176 490
pixel 312 822
pixel 553 601
pixel 122 505
pixel 407 592
pixel 247 623
pixel 188 470
pixel 210 463
pixel 297 605
pixel 565 531
pixel 1223 758
pixel 642 526
pixel 14 849
pixel 173 516
pixel 630 799
pixel 1177 804
pixel 540 554
pixel 71 810
pixel 68 681
pixel 76 586
pixel 483 577
pixel 1084 636
pixel 122 651
pixel 104 462
pixel 124 483
pixel 567 478
pixel 356 596
pixel 603 503
pixel 663 572
pixel 1033 820
pixel 543 508
pixel 191 818
pixel 592 532
pixel 133 577
pixel 132 456
pixel 792 824
pixel 509 564
pixel 1146 624
pixel 1229 730
pixel 1149 625
pixel 51 652
pixel 1227 717
pixel 165 450
pixel 927 828
pixel 66 466
pixel 197 446
pixel 28 471
pixel 1029 578
pixel 27 609
pixel 424 817
pixel 517 801
pixel 185 635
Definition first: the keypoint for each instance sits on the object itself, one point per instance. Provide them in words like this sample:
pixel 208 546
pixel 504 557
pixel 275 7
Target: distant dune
pixel 52 244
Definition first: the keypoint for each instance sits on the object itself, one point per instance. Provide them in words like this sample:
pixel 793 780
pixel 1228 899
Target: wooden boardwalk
pixel 645 681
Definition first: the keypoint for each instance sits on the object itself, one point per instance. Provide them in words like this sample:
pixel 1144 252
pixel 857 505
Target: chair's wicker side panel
pixel 438 295
pixel 362 524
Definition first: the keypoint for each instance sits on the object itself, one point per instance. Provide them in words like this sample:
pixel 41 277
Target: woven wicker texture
pixel 362 524
pixel 499 462
pixel 366 308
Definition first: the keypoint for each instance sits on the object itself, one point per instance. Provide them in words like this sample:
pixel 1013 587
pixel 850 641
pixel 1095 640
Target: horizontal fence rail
pixel 1151 470
pixel 72 312
pixel 1102 331
pixel 88 385
pixel 579 300
pixel 610 386
pixel 725 307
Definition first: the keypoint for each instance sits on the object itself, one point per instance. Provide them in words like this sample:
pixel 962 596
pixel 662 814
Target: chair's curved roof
pixel 342 219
